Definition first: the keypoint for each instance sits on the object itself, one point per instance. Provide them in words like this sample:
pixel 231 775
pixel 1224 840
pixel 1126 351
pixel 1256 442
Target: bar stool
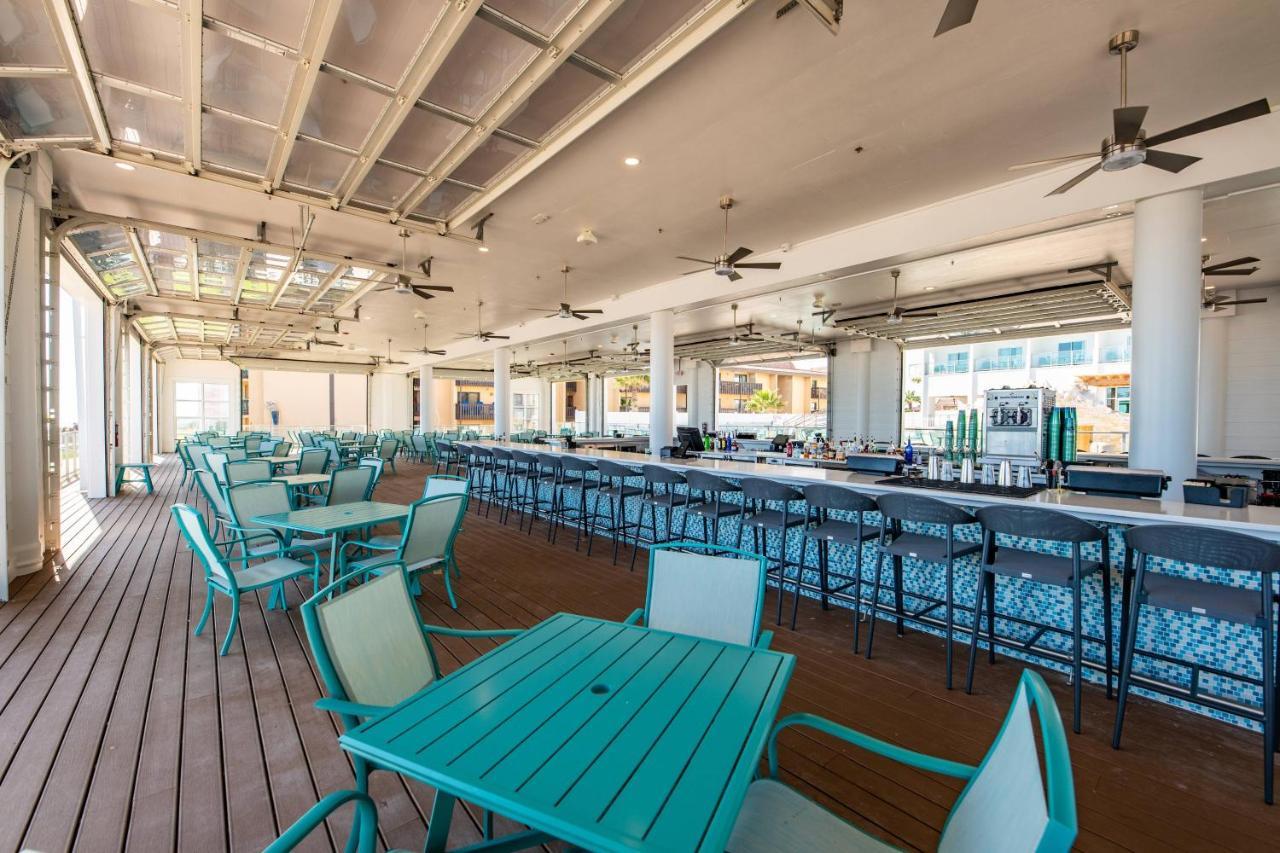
pixel 502 464
pixel 757 494
pixel 481 462
pixel 524 468
pixel 446 454
pixel 659 491
pixel 1044 525
pixel 573 479
pixel 707 493
pixel 615 489
pixel 824 499
pixel 939 550
pixel 546 469
pixel 1219 549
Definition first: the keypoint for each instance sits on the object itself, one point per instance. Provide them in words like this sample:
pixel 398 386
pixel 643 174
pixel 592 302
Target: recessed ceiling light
pixel 930 287
pixel 484 248
pixel 1204 239
pixel 631 161
pixel 128 167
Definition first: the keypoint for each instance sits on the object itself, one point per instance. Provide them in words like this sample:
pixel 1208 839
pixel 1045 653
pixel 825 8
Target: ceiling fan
pixel 565 311
pixel 404 284
pixel 1212 301
pixel 388 359
pixel 424 349
pixel 632 347
pixel 321 342
pixel 734 337
pixel 823 310
pixel 1128 145
pixel 480 334
pixel 727 263
pixel 897 314
pixel 956 14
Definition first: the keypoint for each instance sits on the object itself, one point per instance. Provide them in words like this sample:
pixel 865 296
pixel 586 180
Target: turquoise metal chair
pixel 247 471
pixel 214 498
pixel 445 484
pixel 184 454
pixel 246 501
pixel 1006 804
pixel 377 465
pixel 216 461
pixel 705 590
pixel 387 450
pixel 373 651
pixel 364 824
pixel 313 460
pixel 275 568
pixel 348 485
pixel 425 544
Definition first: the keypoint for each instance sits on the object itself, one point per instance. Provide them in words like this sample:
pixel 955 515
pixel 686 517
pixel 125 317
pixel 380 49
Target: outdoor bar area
pixel 404 449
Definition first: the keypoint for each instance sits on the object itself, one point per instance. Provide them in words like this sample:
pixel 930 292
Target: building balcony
pixel 984 364
pixel 743 389
pixel 951 367
pixel 476 383
pixel 817 393
pixel 1060 359
pixel 473 411
pixel 1115 355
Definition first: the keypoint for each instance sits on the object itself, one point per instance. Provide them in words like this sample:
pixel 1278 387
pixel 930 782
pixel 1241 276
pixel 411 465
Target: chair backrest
pixel 264 497
pixel 609 468
pixel 828 497
pixel 387 448
pixel 658 474
pixel 253 443
pixel 921 509
pixel 248 470
pixel 581 466
pixel 1032 522
pixel 196 453
pixel 216 461
pixel 282 448
pixel 701 481
pixel 313 460
pixel 445 484
pixel 335 452
pixel 419 443
pixel 1008 805
pixel 348 485
pixel 235 454
pixel 430 528
pixel 211 487
pixel 193 528
pixel 368 642
pixel 1204 546
pixel 348 436
pixel 757 489
pixel 698 593
pixel 377 465
pixel 219 441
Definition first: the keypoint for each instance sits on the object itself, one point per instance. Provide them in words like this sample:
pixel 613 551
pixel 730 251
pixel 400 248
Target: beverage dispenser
pixel 1016 426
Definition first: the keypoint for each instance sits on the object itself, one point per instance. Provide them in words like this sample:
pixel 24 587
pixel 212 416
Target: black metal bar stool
pixel 1219 549
pixel 939 550
pixel 574 479
pixel 502 464
pixel 481 462
pixel 1044 525
pixel 446 454
pixel 546 470
pixel 659 493
pixel 825 501
pixel 524 483
pixel 756 515
pixel 615 489
pixel 707 493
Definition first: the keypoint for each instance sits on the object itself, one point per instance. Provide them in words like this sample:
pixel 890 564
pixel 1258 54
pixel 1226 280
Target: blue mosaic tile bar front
pixel 1210 643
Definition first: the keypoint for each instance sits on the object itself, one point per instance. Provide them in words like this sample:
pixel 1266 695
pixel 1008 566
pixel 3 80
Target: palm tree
pixel 763 401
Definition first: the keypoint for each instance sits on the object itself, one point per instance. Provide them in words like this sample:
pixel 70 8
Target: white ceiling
pixel 771 111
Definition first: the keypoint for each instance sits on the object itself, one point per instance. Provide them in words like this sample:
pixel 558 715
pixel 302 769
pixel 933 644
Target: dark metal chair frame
pixel 573 476
pixel 707 502
pixel 546 469
pixel 659 491
pixel 615 489
pixel 824 499
pixel 756 515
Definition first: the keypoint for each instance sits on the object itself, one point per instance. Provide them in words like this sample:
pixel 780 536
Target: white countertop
pixel 1256 520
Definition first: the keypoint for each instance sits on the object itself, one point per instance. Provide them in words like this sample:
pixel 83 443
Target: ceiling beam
pixel 193 264
pixel 191 15
pixel 360 292
pixel 308 220
pixel 431 55
pixel 60 14
pixel 242 267
pixel 714 15
pixel 315 39
pixel 325 286
pixel 140 257
pixel 584 22
pixel 179 307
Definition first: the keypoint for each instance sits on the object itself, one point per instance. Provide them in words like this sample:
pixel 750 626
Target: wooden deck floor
pixel 118 729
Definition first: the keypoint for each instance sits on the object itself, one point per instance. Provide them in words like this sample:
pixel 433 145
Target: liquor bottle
pixel 909 453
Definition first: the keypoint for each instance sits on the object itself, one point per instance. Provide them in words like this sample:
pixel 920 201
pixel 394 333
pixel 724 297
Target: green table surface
pixel 297 480
pixel 608 736
pixel 328 520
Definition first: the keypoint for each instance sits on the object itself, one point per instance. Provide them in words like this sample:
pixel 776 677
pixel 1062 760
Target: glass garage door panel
pixel 488 160
pixel 112 30
pixel 153 123
pixel 26 37
pixel 278 20
pixel 630 33
pixel 422 138
pixel 566 90
pixel 316 166
pixel 447 198
pixel 483 63
pixel 341 112
pixel 386 186
pixel 543 16
pixel 379 38
pixel 237 144
pixel 41 107
pixel 243 79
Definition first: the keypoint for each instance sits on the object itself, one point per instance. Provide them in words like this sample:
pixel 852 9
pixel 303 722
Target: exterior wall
pixel 301 399
pixel 793 387
pixel 865 390
pixel 191 370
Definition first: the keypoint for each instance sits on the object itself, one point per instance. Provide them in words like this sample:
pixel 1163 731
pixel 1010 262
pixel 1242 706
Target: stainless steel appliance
pixel 1117 482
pixel 1015 424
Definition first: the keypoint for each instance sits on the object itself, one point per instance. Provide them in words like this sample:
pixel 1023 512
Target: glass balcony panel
pixel 279 20
pixel 153 123
pixel 483 63
pixel 244 79
pixel 341 112
pixel 316 166
pixel 112 31
pixel 566 90
pixel 237 144
pixel 422 138
pixel 543 16
pixel 379 38
pixel 444 200
pixel 26 37
pixel 494 155
pixel 630 33
pixel 386 186
pixel 42 106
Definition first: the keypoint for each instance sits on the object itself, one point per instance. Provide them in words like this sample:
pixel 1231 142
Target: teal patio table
pixel 608 736
pixel 333 521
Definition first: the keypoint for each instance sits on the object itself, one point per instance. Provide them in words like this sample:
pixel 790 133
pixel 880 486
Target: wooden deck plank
pixel 118 729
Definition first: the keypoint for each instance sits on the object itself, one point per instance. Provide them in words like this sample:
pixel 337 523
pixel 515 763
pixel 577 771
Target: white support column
pixel 501 392
pixel 595 403
pixel 1211 420
pixel 426 399
pixel 546 406
pixel 661 380
pixel 1166 333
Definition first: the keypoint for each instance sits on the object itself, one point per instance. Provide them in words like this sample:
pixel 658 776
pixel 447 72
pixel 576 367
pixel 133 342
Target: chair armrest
pixel 458 632
pixel 248 534
pixel 909 757
pixel 765 638
pixel 316 815
pixel 635 617
pixel 353 709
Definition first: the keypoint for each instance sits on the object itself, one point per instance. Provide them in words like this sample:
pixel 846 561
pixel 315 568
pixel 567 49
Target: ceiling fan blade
pixel 557 310
pixel 1243 302
pixel 498 337
pixel 1053 161
pixel 760 265
pixel 1077 179
pixel 422 295
pixel 384 289
pixel 1128 123
pixel 695 272
pixel 1243 271
pixel 435 352
pixel 738 254
pixel 1213 269
pixel 1253 109
pixel 442 288
pixel 733 276
pixel 915 314
pixel 1168 161
pixel 580 316
pixel 956 14
pixel 696 260
pixel 589 311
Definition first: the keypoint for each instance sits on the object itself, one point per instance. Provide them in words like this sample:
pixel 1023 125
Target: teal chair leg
pixel 146 478
pixel 119 477
pixel 204 616
pixel 448 587
pixel 231 627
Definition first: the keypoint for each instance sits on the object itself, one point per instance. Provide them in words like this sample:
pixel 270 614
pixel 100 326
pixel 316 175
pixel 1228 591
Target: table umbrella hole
pixel 599 689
